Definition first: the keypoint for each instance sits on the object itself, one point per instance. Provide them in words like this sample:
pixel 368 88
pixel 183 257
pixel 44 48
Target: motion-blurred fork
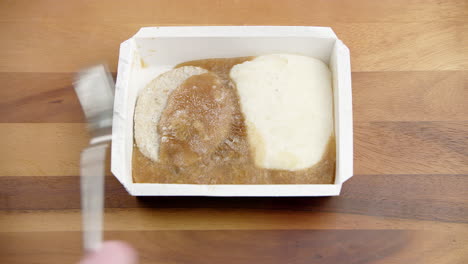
pixel 95 89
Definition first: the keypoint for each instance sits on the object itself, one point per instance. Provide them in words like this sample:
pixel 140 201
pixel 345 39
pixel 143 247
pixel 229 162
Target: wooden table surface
pixel 408 200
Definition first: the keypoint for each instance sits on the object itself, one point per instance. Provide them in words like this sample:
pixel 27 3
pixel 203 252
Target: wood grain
pixel 407 203
pixel 423 197
pixel 41 149
pixel 214 219
pixel 380 147
pixel 251 246
pixel 374 46
pixel 410 96
pixel 381 40
pixel 236 12
pixel 378 96
pixel 38 98
pixel 411 147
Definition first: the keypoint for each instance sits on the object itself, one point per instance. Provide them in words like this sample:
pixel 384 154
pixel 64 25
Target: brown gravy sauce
pixel 208 104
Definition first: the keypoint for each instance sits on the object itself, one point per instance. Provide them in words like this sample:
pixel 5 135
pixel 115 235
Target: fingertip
pixel 116 252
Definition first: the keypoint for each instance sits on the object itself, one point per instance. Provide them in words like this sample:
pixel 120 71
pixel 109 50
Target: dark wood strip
pixel 424 197
pixel 251 246
pixel 38 98
pixel 378 96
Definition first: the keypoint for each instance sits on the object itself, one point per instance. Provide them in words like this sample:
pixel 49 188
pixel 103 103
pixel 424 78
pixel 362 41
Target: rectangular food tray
pixel 154 50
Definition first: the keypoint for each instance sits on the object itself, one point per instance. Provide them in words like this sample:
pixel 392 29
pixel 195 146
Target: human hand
pixel 112 252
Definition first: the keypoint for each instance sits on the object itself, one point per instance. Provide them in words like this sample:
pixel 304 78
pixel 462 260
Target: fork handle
pixel 92 194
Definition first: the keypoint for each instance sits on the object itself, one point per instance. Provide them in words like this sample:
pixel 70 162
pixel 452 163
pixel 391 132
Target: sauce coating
pixel 204 138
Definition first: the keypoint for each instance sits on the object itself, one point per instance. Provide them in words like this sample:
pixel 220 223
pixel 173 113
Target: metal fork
pixel 95 89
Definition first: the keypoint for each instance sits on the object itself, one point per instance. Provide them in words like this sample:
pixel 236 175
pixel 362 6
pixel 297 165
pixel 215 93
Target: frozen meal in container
pixel 233 111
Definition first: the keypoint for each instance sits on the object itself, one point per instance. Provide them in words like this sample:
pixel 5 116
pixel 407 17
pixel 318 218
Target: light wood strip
pixel 389 46
pixel 410 96
pixel 406 46
pixel 53 149
pixel 41 149
pixel 235 11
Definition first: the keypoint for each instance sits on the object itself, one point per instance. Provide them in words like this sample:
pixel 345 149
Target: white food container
pixel 154 50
